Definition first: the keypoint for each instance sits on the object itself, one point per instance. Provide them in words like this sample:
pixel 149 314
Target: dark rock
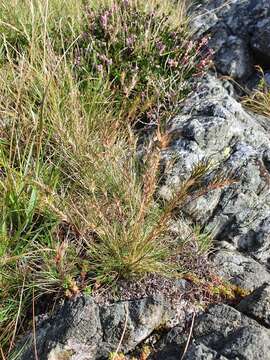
pixel 234 58
pixel 214 125
pixel 260 42
pixel 201 352
pixel 241 270
pixel 221 333
pixel 76 327
pixel 85 330
pixel 247 343
pixel 141 318
pixel 257 305
pixel 240 34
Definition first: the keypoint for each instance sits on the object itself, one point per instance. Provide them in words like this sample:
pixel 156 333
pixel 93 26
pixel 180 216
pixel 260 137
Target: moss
pixel 60 354
pixel 217 289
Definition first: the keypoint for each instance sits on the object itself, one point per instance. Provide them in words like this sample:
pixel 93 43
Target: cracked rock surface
pixel 218 334
pixel 84 330
pixel 240 31
pixel 214 125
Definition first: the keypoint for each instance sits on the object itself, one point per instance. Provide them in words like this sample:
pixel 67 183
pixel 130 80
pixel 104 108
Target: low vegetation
pixel 79 209
pixel 258 101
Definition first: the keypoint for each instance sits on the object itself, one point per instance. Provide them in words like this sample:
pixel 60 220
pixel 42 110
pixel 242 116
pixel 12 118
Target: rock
pixel 215 126
pixel 260 41
pixel 85 330
pixel 141 318
pixel 75 330
pixel 247 343
pixel 201 352
pixel 240 34
pixel 218 324
pixel 234 58
pixel 221 333
pixel 257 305
pixel 240 270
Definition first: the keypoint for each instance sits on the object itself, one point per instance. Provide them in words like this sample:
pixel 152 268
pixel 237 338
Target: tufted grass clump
pixel 258 101
pixel 79 209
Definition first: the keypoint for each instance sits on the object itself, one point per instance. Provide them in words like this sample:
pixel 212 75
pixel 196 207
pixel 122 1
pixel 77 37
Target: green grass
pixel 258 100
pixel 78 207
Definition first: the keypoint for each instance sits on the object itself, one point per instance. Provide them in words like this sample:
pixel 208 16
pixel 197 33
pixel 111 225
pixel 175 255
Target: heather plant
pixel 145 55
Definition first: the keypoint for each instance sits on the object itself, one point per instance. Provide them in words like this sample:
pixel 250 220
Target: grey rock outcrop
pixel 214 125
pixel 84 330
pixel 257 305
pixel 219 334
pixel 241 270
pixel 240 34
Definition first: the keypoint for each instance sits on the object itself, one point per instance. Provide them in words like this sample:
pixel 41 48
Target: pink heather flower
pixel 104 20
pixel 203 42
pixel 100 67
pixel 113 8
pixel 130 41
pixel 172 63
pixel 190 46
pixel 126 2
pixel 204 63
pixel 185 59
pixel 105 60
pixel 161 47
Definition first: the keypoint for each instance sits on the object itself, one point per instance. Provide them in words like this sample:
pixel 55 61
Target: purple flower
pixel 172 63
pixel 190 46
pixel 105 60
pixel 113 8
pixel 161 47
pixel 130 40
pixel 126 2
pixel 100 68
pixel 104 20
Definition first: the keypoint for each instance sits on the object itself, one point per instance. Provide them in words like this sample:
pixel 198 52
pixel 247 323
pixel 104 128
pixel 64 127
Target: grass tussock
pixel 78 208
pixel 258 101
